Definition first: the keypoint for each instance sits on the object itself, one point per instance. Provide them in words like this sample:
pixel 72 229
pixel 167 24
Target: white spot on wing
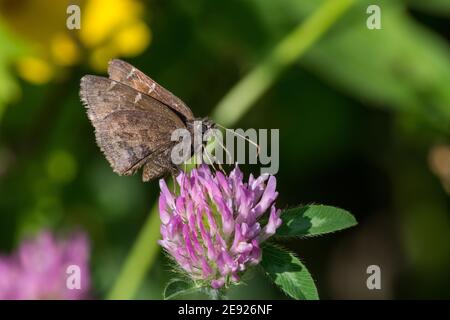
pixel 151 87
pixel 133 70
pixel 111 85
pixel 137 98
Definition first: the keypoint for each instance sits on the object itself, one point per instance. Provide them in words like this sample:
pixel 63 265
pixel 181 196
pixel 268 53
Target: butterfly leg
pixel 211 162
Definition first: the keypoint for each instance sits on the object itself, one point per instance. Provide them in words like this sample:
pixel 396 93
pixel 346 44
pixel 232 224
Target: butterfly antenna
pixel 223 147
pixel 243 137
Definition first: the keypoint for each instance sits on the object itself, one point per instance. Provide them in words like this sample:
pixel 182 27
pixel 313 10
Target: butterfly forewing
pixel 125 73
pixel 129 126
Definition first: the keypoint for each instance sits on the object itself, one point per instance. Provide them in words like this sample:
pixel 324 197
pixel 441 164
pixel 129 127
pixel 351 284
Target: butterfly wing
pixel 158 164
pixel 129 126
pixel 125 73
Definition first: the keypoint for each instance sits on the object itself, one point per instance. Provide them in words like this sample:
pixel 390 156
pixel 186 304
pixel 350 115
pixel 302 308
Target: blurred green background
pixel 364 119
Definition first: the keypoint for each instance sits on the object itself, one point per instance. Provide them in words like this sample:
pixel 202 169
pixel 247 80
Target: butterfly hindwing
pixel 158 164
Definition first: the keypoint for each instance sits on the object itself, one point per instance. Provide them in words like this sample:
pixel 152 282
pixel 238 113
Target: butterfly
pixel 134 117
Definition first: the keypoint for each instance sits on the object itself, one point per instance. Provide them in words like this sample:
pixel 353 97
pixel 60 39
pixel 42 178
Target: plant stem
pixel 229 110
pixel 139 260
pixel 217 294
pixel 247 91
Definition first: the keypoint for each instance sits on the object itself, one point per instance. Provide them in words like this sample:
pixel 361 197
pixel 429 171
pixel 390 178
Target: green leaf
pixel 287 272
pixel 314 220
pixel 178 287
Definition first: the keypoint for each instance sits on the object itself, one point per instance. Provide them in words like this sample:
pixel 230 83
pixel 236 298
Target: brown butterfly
pixel 134 117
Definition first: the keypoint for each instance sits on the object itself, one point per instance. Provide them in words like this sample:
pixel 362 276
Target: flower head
pixel 213 228
pixel 38 270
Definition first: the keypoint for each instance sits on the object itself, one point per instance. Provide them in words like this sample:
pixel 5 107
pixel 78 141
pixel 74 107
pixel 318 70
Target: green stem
pixel 139 260
pixel 216 294
pixel 229 110
pixel 247 91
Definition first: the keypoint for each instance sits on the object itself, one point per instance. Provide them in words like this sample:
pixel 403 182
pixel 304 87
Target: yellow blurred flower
pixel 102 18
pixel 133 39
pixel 64 50
pixel 34 70
pixel 129 41
pixel 109 28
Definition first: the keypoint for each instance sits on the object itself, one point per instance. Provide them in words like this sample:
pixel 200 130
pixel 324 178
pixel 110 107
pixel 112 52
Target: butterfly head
pixel 207 124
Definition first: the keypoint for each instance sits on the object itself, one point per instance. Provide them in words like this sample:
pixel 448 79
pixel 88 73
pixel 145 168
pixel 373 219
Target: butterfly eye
pixel 207 124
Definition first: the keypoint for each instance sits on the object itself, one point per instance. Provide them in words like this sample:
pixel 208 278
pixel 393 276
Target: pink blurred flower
pixel 38 269
pixel 212 228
